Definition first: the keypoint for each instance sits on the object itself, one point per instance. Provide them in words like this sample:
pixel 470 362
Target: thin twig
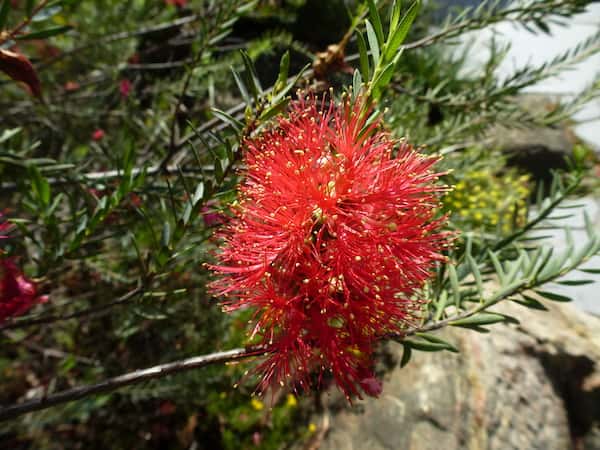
pixel 94 311
pixel 136 377
pixel 15 31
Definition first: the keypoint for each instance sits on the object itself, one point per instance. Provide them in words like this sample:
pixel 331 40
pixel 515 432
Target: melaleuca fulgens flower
pixel 334 233
pixel 17 293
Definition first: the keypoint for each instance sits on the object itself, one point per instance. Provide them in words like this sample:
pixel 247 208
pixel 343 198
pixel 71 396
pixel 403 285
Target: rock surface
pixel 531 386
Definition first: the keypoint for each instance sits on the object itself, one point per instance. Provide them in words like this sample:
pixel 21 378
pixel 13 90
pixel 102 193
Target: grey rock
pixel 531 386
pixel 536 150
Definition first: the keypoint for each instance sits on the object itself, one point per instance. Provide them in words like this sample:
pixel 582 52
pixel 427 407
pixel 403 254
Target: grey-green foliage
pixel 484 272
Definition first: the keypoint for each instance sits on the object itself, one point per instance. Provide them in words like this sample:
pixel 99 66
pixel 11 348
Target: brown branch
pixel 15 31
pixel 94 311
pixel 136 377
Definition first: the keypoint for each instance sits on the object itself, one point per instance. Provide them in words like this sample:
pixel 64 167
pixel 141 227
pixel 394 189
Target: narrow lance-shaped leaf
pixel 476 274
pixel 284 67
pixel 575 282
pixel 376 20
pixel 283 92
pixel 166 234
pixel 383 79
pixel 43 34
pixel 400 33
pixel 364 56
pixel 228 118
pixel 406 354
pixel 440 305
pixel 553 296
pixel 479 319
pixel 356 83
pixel 425 346
pixel 437 340
pixel 530 302
pixel 251 75
pixel 394 16
pixel 373 43
pixel 454 285
pixel 241 86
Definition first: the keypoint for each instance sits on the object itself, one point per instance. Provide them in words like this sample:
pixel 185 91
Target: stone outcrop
pixel 530 386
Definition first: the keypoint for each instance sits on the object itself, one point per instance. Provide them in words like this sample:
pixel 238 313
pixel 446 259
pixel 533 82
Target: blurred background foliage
pixel 131 85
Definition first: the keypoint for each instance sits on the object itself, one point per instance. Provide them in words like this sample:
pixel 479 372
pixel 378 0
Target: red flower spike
pixel 98 135
pixel 125 87
pixel 330 242
pixel 17 293
pixel 5 227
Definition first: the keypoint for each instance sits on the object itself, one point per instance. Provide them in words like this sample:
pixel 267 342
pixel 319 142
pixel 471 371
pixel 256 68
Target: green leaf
pixel 244 8
pixel 198 194
pixel 251 75
pixel 219 173
pixel 227 118
pixel 406 354
pixel 401 31
pixel 554 297
pixel 43 34
pixel 530 302
pixel 40 186
pixel 356 83
pixel 437 340
pixel 4 9
pixel 454 283
pixel 283 92
pixel 373 43
pixel 395 16
pixel 284 68
pixel 374 15
pixel 241 86
pixel 497 267
pixel 575 282
pixel 364 56
pixel 9 133
pixel 479 319
pixel 384 78
pixel 425 346
pixel 219 37
pixel 476 274
pixel 590 270
pixel 505 291
pixel 166 234
pixel 440 305
pixel 589 224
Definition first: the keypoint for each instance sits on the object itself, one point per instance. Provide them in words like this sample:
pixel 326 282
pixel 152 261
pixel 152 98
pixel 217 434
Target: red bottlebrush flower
pixel 17 293
pixel 125 87
pixel 179 3
pixel 5 227
pixel 334 233
pixel 98 135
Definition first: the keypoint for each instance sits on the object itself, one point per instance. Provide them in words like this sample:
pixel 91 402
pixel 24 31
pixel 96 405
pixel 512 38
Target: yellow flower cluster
pixel 484 200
